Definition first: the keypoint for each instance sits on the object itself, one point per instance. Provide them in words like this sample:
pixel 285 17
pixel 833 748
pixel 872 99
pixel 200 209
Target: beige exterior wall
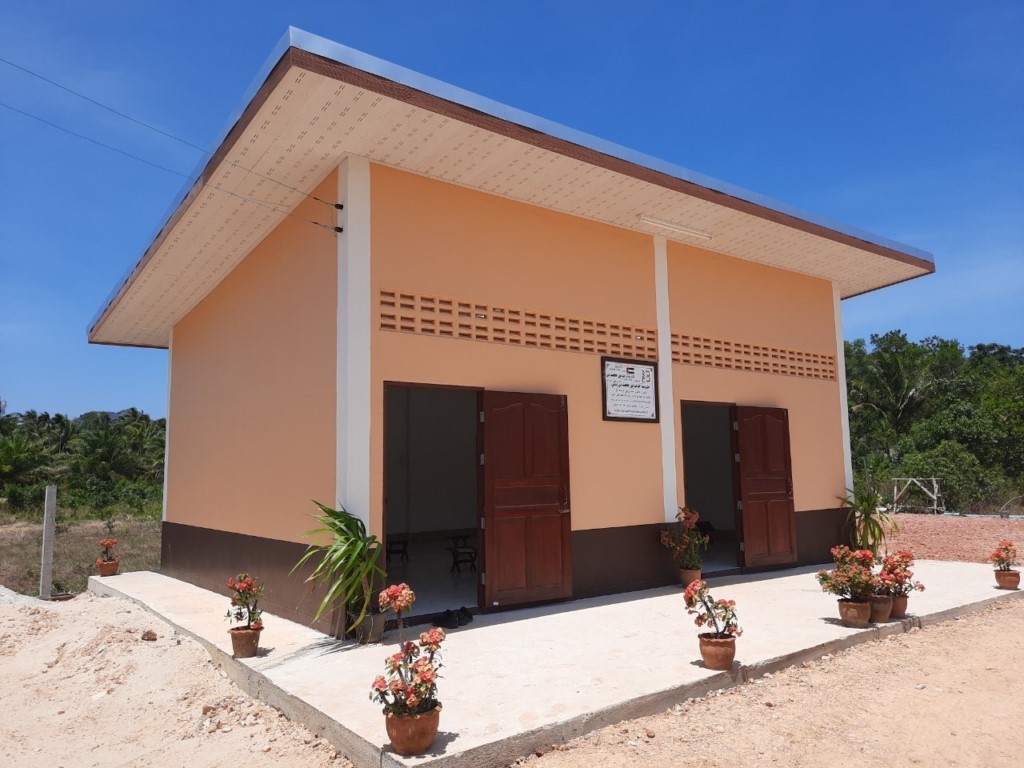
pixel 445 241
pixel 252 399
pixel 723 298
pixel 253 380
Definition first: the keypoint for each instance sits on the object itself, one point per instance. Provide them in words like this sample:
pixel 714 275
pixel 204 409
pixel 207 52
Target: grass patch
pixel 75 551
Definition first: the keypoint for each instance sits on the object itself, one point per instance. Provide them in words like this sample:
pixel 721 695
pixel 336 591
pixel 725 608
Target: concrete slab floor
pixel 521 679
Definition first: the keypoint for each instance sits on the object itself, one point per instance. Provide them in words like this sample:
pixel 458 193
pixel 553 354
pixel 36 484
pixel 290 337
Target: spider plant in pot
pixel 867 519
pixel 348 567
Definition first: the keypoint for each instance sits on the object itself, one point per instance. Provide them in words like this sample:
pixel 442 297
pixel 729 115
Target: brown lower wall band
pixel 207 557
pixel 817 531
pixel 606 561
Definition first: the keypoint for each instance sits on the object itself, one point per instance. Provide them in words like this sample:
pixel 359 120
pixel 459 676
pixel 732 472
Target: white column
pixel 352 478
pixel 844 406
pixel 167 420
pixel 666 395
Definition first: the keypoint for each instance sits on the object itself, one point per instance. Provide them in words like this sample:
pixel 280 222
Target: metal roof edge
pixel 368 63
pixel 321 46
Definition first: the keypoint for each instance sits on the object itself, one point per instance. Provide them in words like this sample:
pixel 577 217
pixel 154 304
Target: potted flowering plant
pixel 106 563
pixel 896 580
pixel 408 689
pixel 853 582
pixel 717 647
pixel 686 543
pixel 1004 558
pixel 245 596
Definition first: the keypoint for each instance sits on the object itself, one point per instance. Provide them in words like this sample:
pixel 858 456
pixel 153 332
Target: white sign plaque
pixel 629 389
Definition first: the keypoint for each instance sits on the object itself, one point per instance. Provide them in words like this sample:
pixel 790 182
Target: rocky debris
pixel 149 635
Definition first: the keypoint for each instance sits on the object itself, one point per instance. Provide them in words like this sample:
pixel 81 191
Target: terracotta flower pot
pixel 244 642
pixel 689 575
pixel 854 614
pixel 412 734
pixel 717 652
pixel 1008 579
pixel 371 628
pixel 899 607
pixel 881 608
pixel 108 567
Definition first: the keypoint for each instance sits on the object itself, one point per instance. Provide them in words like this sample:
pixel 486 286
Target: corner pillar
pixel 352 478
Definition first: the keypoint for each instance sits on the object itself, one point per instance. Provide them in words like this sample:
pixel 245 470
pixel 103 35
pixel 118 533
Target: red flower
pixel 397 598
pixel 719 615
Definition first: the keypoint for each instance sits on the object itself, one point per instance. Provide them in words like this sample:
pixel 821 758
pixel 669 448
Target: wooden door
pixel 765 482
pixel 527 526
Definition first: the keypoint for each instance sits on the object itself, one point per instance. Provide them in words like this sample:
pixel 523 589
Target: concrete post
pixel 49 531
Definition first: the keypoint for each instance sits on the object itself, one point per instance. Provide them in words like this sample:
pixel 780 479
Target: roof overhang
pixel 317 101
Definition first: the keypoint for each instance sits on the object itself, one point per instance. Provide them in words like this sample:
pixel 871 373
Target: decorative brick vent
pixel 739 356
pixel 459 319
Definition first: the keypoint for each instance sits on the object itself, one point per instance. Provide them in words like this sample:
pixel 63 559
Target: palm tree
pixel 893 381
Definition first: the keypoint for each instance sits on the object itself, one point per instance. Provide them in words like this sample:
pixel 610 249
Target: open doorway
pixel 709 479
pixel 432 495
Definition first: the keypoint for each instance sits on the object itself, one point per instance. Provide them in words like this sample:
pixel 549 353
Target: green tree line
pixel 936 409
pixel 100 462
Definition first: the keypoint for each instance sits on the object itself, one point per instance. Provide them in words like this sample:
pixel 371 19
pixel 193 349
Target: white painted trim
pixel 167 422
pixel 352 468
pixel 844 406
pixel 666 394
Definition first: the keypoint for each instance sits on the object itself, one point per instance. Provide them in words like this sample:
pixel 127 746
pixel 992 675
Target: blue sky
pixel 905 119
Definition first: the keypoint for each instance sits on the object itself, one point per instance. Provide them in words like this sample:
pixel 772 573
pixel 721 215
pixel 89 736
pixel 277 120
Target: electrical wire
pixel 162 132
pixel 196 179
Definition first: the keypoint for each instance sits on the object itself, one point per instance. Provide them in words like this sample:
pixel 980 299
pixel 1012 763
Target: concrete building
pixel 499 300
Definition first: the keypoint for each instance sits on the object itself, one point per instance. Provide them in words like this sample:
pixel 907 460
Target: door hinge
pixel 736 458
pixel 483 578
pixel 481 417
pixel 482 521
pixel 481 459
pixel 743 547
pixel 735 426
pixel 739 505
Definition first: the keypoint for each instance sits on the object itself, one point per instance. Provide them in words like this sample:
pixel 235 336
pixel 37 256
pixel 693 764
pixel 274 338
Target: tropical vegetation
pixel 937 409
pixel 101 462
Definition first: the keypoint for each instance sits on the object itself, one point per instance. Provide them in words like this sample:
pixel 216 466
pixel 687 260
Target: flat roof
pixel 457 136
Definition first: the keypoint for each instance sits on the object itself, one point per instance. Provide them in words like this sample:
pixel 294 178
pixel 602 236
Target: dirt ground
pixel 75 551
pixel 942 537
pixel 82 688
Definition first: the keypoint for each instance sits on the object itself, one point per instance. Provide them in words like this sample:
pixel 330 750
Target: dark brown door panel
pixel 766 486
pixel 527 520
